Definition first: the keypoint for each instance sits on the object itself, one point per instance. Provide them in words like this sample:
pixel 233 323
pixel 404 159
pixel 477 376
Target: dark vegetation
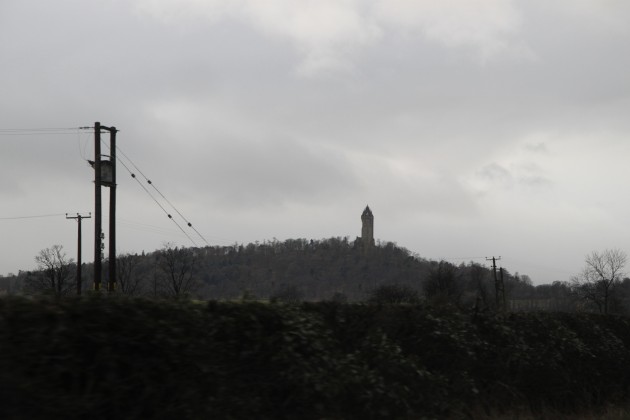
pixel 307 270
pixel 108 357
pixel 310 329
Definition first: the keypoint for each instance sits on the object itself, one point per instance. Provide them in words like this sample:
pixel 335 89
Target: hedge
pixel 102 357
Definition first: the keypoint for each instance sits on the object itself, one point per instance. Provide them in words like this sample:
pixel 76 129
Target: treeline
pixel 104 358
pixel 336 269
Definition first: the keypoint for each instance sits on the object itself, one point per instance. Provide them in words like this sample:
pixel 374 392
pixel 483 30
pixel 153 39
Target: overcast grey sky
pixel 472 128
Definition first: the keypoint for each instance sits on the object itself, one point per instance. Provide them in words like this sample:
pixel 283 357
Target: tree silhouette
pixel 54 275
pixel 596 282
pixel 129 283
pixel 177 269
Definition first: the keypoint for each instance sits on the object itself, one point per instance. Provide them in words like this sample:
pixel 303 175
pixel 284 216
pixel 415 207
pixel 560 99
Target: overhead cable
pixel 190 225
pixel 32 217
pixel 157 202
pixel 36 131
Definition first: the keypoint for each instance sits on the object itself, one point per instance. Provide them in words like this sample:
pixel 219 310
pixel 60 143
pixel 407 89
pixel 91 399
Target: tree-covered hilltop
pixel 337 268
pixel 308 269
pixel 301 269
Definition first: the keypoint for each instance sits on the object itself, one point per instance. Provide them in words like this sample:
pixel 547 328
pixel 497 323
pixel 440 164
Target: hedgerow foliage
pixel 116 358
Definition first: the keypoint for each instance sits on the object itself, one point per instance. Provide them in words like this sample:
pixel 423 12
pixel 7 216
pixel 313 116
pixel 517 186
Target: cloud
pixel 515 176
pixel 537 148
pixel 327 34
pixel 274 172
pixel 496 175
pixel 610 15
pixel 301 110
pixel 323 32
pixel 173 12
pixel 486 26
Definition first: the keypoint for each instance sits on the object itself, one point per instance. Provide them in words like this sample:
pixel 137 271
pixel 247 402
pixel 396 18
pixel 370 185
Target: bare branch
pixel 602 272
pixel 128 279
pixel 177 266
pixel 54 272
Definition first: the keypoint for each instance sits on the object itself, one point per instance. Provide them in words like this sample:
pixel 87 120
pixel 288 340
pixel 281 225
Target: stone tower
pixel 367 230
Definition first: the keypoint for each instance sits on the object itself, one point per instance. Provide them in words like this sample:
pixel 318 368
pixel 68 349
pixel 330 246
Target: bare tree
pixel 443 283
pixel 128 281
pixel 596 282
pixel 54 275
pixel 177 267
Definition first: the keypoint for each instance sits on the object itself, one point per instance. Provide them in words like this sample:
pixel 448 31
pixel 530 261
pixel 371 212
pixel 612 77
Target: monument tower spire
pixel 367 229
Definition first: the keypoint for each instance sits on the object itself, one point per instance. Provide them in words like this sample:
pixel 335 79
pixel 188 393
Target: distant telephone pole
pixel 499 290
pixel 78 218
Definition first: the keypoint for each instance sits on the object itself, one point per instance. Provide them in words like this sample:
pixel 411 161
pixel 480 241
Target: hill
pixel 299 269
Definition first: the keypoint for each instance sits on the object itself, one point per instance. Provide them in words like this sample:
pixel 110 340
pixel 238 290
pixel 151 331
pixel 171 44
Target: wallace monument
pixel 367 229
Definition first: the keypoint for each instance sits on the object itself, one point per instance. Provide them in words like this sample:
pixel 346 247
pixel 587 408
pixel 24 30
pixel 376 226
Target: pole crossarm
pixel 110 129
pixel 79 217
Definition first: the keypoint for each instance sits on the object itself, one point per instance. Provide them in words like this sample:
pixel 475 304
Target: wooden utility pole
pixel 78 218
pixel 98 232
pixel 105 175
pixel 499 291
pixel 111 284
pixel 502 291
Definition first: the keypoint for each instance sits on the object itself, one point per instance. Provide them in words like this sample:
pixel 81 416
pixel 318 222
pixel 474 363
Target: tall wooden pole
pixel 499 291
pixel 79 279
pixel 97 206
pixel 78 218
pixel 98 183
pixel 111 285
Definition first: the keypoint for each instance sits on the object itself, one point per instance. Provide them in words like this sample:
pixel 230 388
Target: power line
pixel 33 217
pixel 157 202
pixel 161 230
pixel 162 195
pixel 83 144
pixel 177 211
pixel 37 131
pixel 461 258
pixel 133 175
pixel 40 131
pixel 148 228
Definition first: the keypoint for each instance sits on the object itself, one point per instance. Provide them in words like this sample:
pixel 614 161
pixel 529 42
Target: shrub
pixel 394 294
pixel 104 357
